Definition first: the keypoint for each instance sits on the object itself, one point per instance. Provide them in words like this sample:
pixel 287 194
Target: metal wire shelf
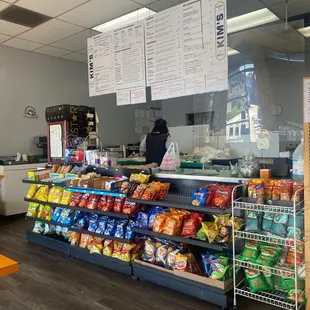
pixel 241 205
pixel 274 270
pixel 263 238
pixel 276 298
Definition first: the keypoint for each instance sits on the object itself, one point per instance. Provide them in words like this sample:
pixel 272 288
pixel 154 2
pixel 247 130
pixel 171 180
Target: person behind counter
pixel 156 143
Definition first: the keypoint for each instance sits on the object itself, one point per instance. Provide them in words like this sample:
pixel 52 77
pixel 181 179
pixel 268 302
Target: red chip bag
pixel 191 224
pixel 76 198
pixel 92 202
pixel 106 203
pixel 118 204
pixel 129 208
pixel 210 195
pixel 83 201
pixel 222 197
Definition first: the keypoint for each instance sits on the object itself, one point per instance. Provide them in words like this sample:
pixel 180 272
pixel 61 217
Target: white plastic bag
pixel 171 160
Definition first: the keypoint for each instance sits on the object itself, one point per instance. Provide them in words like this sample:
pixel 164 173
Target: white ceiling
pixel 65 35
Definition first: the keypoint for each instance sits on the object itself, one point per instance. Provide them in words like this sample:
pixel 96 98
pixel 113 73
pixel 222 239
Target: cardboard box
pixel 38 175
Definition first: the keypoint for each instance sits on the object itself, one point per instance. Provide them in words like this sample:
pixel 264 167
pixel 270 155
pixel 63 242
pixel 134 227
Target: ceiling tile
pixel 11 29
pixel 52 51
pixel 165 4
pixel 96 12
pixel 83 51
pixel 3 5
pixel 50 7
pixel 239 7
pixel 77 41
pixel 76 57
pixel 22 44
pixel 3 37
pixel 51 31
pixel 145 2
pixel 296 7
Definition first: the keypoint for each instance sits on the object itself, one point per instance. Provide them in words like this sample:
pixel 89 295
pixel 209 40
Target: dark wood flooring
pixel 48 280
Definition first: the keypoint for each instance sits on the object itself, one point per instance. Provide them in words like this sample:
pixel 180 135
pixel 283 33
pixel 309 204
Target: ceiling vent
pixel 21 16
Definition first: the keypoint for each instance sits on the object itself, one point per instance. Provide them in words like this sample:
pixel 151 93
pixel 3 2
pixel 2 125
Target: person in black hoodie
pixel 156 143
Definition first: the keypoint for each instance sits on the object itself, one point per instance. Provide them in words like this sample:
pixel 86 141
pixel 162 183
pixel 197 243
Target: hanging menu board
pixel 116 60
pixel 187 43
pixel 179 51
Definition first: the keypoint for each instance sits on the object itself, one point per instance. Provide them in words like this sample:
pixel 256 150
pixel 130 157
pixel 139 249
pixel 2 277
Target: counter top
pixel 201 175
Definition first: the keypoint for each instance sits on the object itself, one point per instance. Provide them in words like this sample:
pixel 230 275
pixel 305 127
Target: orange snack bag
pixel 172 226
pixel 159 223
pixel 84 241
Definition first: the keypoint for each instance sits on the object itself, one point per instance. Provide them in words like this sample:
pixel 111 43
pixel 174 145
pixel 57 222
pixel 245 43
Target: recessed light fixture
pixel 250 20
pixel 305 31
pixel 231 51
pixel 124 20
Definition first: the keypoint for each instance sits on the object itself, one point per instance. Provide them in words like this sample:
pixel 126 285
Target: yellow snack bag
pixel 55 194
pixel 42 193
pixel 117 249
pixel 221 220
pixel 32 209
pixel 40 211
pixel 180 262
pixel 125 254
pixel 211 230
pixel 107 247
pixel 66 197
pixel 47 213
pixel 32 190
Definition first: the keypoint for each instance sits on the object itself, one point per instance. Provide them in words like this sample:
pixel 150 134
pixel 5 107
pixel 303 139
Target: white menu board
pixel 129 56
pixel 163 39
pixel 187 42
pixel 101 64
pixel 116 60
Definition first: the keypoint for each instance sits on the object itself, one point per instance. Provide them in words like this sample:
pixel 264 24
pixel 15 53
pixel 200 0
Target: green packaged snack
pixel 269 279
pixel 299 227
pixel 219 272
pixel 300 296
pixel 268 256
pixel 38 227
pixel 250 252
pixel 201 235
pixel 267 222
pixel 253 221
pixel 255 280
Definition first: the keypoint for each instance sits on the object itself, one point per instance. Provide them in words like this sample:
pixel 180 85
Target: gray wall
pixel 40 81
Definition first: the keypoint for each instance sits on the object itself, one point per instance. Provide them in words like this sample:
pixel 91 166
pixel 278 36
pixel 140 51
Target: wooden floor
pixel 49 280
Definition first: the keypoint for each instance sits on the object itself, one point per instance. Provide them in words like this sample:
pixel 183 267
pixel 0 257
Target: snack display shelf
pixel 48 242
pixel 180 202
pixel 270 208
pixel 101 260
pixel 99 212
pixel 92 191
pixel 50 183
pixel 79 253
pixel 86 232
pixel 212 291
pixel 288 273
pixel 277 298
pixel 196 242
pixel 46 221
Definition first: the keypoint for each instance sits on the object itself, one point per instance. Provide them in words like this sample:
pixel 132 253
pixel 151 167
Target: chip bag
pixel 40 211
pixel 201 235
pixel 180 262
pixel 107 247
pixel 120 229
pixel 83 201
pixel 250 252
pixel 76 198
pixel 47 213
pixel 171 226
pixel 222 196
pixel 111 225
pixel 125 254
pixel 55 194
pixel 92 202
pixel 139 191
pixel 66 197
pixel 221 220
pixel 42 193
pixel 38 227
pixel 32 209
pixel 118 204
pixel 159 223
pixel 171 258
pixel 102 225
pixel 56 214
pixel 129 208
pixel 117 249
pixel 75 238
pixel 161 254
pixel 199 197
pixel 149 251
pixel 255 280
pixel 191 224
pixel 84 241
pixel 32 190
pixel 142 220
pixel 211 230
pixel 93 222
pixel 97 246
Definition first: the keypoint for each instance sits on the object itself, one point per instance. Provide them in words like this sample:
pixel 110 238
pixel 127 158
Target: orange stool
pixel 7 266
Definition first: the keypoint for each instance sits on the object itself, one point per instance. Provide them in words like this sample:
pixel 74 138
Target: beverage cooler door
pixel 56 133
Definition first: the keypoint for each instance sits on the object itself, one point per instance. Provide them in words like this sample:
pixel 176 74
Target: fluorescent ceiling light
pixel 231 51
pixel 250 20
pixel 305 31
pixel 124 20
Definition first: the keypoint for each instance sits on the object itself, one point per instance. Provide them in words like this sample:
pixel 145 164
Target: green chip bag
pixel 256 281
pixel 250 251
pixel 268 256
pixel 269 279
pixel 201 235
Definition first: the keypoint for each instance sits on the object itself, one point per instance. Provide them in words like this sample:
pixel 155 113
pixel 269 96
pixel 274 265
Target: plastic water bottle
pixel 298 163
